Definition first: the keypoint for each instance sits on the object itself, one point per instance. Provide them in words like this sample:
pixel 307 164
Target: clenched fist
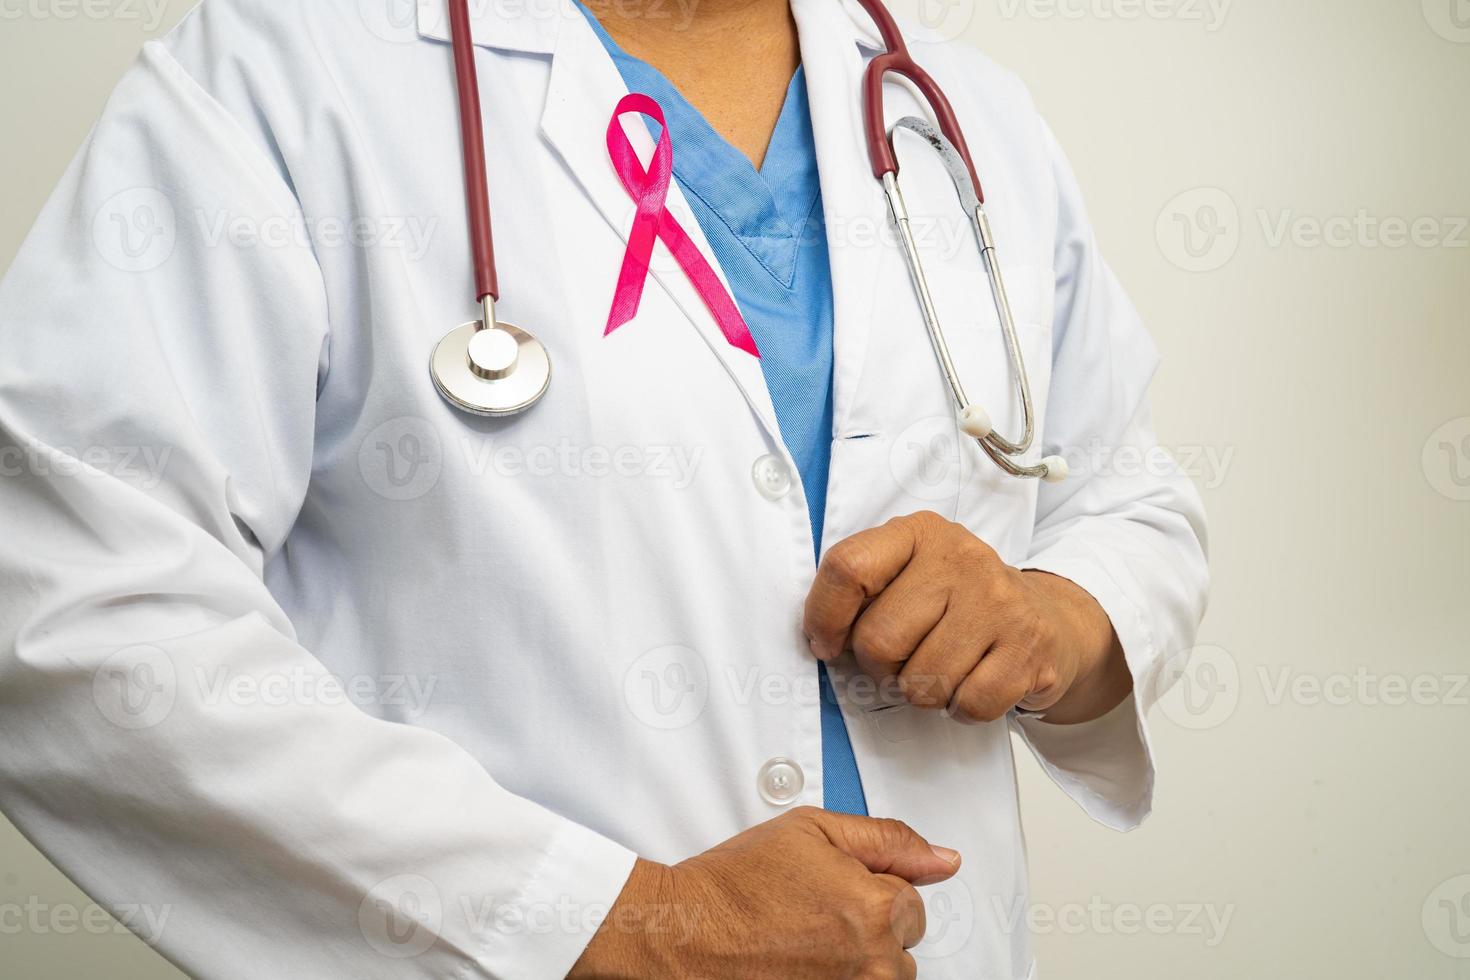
pixel 809 894
pixel 924 601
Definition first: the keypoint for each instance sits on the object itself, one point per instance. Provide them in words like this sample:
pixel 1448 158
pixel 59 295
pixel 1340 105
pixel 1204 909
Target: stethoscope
pixel 487 366
pixel 493 368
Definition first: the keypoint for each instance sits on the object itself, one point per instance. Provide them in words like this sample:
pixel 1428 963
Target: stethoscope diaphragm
pixel 494 372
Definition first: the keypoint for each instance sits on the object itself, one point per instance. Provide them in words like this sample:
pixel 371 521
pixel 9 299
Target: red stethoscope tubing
pixel 895 59
pixel 472 137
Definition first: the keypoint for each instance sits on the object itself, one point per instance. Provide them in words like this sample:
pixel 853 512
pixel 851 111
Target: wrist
pixel 635 938
pixel 1102 679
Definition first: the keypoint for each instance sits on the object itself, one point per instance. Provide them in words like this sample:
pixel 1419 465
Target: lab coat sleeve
pixel 1127 525
pixel 163 737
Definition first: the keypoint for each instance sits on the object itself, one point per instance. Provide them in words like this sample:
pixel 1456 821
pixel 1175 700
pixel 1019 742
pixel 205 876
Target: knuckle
pixel 927 520
pixel 801 814
pixel 908 913
pixel 921 920
pixel 845 563
pixel 977 707
pixel 971 547
pixel 878 913
pixel 879 640
pixel 800 820
pixel 973 560
pixel 894 832
pixel 925 690
pixel 891 827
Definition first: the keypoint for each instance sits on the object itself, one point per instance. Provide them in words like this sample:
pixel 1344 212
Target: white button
pixel 780 781
pixel 772 477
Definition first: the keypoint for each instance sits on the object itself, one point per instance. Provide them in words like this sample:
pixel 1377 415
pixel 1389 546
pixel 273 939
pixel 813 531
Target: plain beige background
pixel 1284 185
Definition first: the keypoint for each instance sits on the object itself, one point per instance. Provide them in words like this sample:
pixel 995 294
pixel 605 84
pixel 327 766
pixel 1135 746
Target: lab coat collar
pixel 859 25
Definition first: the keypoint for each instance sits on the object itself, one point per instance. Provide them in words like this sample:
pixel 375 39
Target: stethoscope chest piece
pixel 495 372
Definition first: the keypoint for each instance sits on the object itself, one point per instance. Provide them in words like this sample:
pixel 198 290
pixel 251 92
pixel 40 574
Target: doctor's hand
pixel 924 603
pixel 807 894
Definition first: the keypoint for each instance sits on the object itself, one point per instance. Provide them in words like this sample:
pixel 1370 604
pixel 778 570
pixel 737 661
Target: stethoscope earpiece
pixel 492 368
pixel 1057 469
pixel 975 421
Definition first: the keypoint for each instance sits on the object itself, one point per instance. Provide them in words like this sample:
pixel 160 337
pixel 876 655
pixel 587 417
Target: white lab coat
pixel 346 683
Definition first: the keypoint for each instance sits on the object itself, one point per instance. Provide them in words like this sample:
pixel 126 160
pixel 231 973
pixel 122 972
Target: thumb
pixel 888 847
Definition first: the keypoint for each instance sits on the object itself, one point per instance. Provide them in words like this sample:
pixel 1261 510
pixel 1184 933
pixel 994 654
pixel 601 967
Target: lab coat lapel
pixel 585 87
pixel 853 203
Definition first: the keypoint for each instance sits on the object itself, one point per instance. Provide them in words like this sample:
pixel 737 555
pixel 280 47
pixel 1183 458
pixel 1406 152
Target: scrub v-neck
pixel 767 231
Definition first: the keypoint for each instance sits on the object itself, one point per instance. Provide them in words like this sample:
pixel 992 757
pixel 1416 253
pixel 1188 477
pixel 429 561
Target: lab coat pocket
pixel 978 344
pixel 991 503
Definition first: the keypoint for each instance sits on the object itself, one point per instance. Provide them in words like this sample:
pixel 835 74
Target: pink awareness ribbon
pixel 650 190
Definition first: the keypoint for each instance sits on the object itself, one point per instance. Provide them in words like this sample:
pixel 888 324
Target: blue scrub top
pixel 767 231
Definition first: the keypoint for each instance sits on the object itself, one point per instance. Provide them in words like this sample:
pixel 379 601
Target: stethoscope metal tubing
pixel 901 220
pixel 1002 304
pixel 997 447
